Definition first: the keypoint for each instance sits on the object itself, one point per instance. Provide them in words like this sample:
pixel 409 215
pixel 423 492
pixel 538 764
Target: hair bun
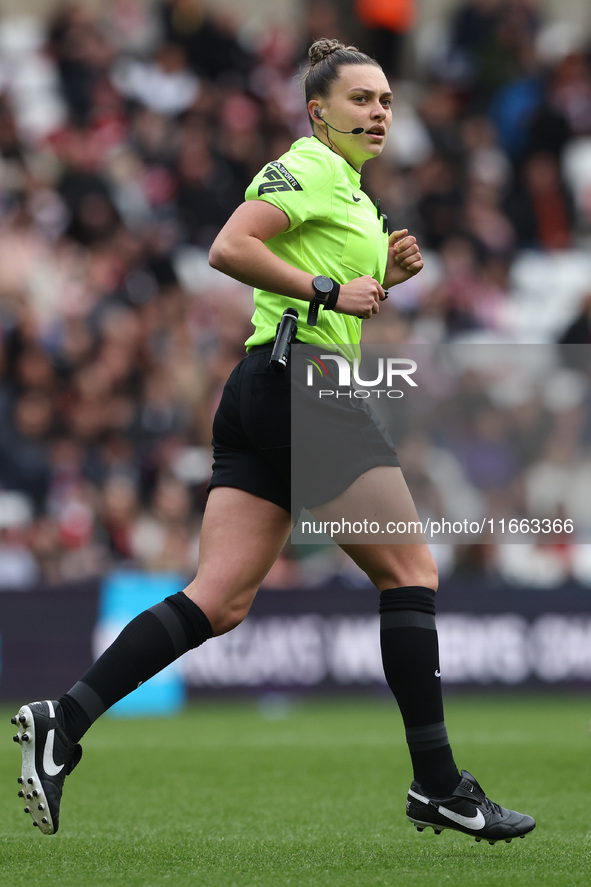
pixel 324 47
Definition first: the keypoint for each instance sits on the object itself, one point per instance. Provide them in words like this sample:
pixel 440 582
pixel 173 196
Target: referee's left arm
pixel 240 251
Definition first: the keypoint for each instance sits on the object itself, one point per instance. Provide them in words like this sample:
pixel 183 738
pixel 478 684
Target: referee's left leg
pixel 242 535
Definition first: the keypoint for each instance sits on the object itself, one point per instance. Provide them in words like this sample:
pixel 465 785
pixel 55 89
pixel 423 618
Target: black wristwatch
pixel 326 293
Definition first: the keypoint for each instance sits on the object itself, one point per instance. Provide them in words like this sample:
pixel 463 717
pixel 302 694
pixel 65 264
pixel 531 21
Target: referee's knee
pixel 225 615
pixel 224 607
pixel 400 574
pixel 228 618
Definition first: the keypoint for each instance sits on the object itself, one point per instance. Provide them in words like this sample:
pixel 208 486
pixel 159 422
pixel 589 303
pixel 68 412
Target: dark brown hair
pixel 326 57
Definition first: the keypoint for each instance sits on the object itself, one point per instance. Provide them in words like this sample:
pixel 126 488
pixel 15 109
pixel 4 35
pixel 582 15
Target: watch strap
pixel 328 303
pixel 331 299
pixel 312 318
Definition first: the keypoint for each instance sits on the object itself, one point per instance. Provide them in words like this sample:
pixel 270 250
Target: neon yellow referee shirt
pixel 334 230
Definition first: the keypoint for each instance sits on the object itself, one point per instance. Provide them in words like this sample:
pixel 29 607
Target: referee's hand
pixel 360 297
pixel 404 258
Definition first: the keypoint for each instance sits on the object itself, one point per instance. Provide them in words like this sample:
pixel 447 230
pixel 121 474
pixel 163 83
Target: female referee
pixel 307 237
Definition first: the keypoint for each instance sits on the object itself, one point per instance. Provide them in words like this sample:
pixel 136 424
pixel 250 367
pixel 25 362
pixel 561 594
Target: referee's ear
pixel 314 112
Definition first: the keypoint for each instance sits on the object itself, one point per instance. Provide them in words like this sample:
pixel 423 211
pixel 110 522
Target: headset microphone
pixel 355 132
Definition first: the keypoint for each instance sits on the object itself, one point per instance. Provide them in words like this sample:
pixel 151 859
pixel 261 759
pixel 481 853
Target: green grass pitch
pixel 244 795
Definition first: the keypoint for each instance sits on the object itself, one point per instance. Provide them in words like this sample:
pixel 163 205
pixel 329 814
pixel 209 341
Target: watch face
pixel 323 284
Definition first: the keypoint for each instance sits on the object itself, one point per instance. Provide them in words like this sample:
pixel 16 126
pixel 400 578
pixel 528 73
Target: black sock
pixel 148 644
pixel 410 655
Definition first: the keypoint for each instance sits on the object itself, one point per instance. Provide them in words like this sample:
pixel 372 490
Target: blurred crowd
pixel 127 137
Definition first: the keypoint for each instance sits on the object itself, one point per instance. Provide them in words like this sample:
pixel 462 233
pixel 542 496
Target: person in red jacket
pixel 387 22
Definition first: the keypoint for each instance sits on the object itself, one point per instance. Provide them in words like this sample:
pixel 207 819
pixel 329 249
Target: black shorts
pixel 254 449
